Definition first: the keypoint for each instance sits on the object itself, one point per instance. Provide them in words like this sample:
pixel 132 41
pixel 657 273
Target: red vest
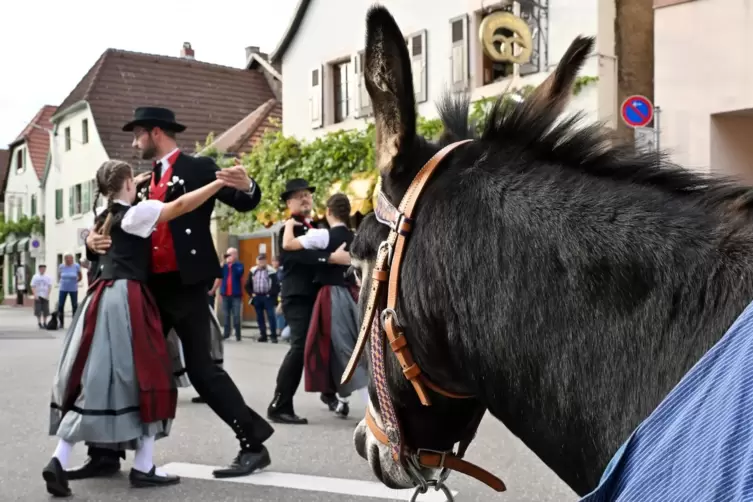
pixel 163 251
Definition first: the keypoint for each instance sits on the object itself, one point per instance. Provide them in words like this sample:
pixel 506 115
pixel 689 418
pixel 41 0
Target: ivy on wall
pixel 334 158
pixel 24 227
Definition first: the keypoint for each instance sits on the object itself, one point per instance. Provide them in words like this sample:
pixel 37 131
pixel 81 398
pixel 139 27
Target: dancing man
pixel 298 297
pixel 183 262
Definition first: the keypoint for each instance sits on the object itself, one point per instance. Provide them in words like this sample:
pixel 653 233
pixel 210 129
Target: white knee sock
pixel 63 452
pixel 342 399
pixel 143 460
pixel 364 393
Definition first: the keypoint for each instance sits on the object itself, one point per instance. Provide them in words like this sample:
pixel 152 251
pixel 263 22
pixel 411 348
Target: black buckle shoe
pixel 57 481
pixel 95 467
pixel 245 463
pixel 149 479
pixel 286 418
pixel 342 410
pixel 330 400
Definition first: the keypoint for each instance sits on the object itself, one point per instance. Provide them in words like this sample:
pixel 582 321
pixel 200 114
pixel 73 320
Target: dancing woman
pixel 114 382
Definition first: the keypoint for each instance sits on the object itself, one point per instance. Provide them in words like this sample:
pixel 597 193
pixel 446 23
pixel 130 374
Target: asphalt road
pixel 309 463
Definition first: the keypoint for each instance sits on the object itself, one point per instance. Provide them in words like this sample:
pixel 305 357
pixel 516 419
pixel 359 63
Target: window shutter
pixel 357 85
pixel 58 204
pixel 86 200
pixel 530 14
pixel 459 72
pixel 417 51
pixel 70 200
pixel 317 97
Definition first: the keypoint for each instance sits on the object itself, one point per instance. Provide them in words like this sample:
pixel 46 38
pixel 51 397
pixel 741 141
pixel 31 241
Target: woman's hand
pixel 142 178
pixel 98 242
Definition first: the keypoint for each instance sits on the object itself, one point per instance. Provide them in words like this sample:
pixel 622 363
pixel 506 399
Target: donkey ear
pixel 554 92
pixel 389 81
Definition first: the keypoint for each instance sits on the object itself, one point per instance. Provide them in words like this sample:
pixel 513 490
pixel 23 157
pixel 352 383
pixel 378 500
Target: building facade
pixel 24 198
pixel 706 118
pixel 323 73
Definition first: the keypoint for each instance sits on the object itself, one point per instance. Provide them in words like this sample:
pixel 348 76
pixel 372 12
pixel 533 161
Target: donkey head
pixel 400 154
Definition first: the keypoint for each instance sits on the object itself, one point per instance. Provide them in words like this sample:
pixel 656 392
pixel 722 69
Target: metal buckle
pixel 390 251
pixel 445 472
pixel 383 315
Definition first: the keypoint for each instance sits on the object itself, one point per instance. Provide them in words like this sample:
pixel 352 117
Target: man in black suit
pixel 298 297
pixel 184 261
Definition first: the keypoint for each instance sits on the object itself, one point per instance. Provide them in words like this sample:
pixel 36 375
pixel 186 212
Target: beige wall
pixel 699 75
pixel 731 148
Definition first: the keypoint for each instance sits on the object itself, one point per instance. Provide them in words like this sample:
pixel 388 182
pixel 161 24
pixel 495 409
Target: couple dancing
pixel 114 387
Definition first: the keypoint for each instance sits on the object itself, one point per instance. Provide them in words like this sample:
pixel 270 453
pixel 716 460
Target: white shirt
pixel 42 285
pixel 141 219
pixel 317 238
pixel 164 164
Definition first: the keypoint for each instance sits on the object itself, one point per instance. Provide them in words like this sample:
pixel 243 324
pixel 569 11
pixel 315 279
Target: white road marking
pixel 353 487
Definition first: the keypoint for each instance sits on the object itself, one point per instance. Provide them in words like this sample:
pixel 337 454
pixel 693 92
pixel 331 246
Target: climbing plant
pixel 334 158
pixel 24 227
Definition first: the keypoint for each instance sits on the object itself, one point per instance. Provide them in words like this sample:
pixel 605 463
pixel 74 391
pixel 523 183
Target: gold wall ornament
pixel 521 38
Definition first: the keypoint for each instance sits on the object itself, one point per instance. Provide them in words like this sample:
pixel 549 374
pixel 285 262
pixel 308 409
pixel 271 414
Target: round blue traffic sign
pixel 637 111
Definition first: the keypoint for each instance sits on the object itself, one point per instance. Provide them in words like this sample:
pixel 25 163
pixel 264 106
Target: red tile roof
pixel 205 97
pixel 38 140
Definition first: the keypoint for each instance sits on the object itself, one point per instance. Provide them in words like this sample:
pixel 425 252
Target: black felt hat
pixel 296 185
pixel 154 116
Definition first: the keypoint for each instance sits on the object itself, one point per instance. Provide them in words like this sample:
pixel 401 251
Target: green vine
pixel 332 160
pixel 24 227
pixel 582 82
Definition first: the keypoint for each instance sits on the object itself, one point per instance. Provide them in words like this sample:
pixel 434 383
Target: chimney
pixel 186 51
pixel 251 49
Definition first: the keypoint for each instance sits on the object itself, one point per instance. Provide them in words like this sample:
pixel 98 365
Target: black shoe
pixel 274 339
pixel 95 467
pixel 244 464
pixel 198 400
pixel 330 400
pixel 342 409
pixel 57 481
pixel 262 339
pixel 148 479
pixel 286 418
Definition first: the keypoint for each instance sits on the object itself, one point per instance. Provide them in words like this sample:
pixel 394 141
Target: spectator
pixel 263 288
pixel 41 285
pixel 20 284
pixel 231 292
pixel 280 318
pixel 69 275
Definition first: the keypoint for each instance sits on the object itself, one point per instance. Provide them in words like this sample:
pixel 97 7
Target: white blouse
pixel 140 220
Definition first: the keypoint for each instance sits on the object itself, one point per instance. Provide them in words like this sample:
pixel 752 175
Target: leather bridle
pixel 387 272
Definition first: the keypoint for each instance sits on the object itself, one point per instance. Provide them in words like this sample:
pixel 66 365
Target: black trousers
pixel 184 308
pixel 297 311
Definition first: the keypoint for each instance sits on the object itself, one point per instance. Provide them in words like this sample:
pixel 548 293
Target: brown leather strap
pixel 374 428
pixel 394 332
pixel 450 461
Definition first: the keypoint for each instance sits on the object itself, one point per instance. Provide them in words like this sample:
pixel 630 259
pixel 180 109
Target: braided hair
pixel 339 205
pixel 111 176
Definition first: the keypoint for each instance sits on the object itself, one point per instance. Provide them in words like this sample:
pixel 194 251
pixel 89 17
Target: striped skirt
pixel 114 381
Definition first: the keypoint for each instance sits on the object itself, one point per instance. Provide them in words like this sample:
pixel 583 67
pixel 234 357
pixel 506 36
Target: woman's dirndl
pixel 114 382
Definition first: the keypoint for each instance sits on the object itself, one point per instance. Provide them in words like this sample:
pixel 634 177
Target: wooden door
pixel 248 250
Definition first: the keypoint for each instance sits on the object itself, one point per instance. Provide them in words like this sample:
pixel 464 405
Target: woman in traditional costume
pixel 333 330
pixel 114 384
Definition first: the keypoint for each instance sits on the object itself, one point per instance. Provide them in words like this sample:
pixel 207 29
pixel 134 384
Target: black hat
pixel 151 116
pixel 295 185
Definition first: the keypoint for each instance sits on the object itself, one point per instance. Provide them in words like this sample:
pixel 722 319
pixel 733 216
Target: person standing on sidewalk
pixel 262 286
pixel 41 284
pixel 69 275
pixel 231 292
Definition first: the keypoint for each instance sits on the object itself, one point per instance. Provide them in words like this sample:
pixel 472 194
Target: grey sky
pixel 46 46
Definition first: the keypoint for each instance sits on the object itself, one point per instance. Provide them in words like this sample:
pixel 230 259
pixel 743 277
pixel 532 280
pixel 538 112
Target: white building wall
pixel 323 38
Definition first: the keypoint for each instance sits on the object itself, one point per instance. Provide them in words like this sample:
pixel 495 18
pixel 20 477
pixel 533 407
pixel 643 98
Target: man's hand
pixel 98 242
pixel 340 256
pixel 235 177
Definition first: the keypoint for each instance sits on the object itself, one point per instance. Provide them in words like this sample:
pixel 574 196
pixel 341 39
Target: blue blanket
pixel 698 444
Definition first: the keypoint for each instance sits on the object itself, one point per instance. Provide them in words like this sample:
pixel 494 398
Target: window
pixel 534 14
pixel 67 138
pixel 85 131
pixel 417 52
pixel 77 257
pixel 340 74
pixel 86 196
pixel 75 200
pixel 19 207
pixel 316 100
pixel 60 262
pixel 59 204
pixel 20 160
pixel 362 106
pixel 33 211
pixel 459 74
